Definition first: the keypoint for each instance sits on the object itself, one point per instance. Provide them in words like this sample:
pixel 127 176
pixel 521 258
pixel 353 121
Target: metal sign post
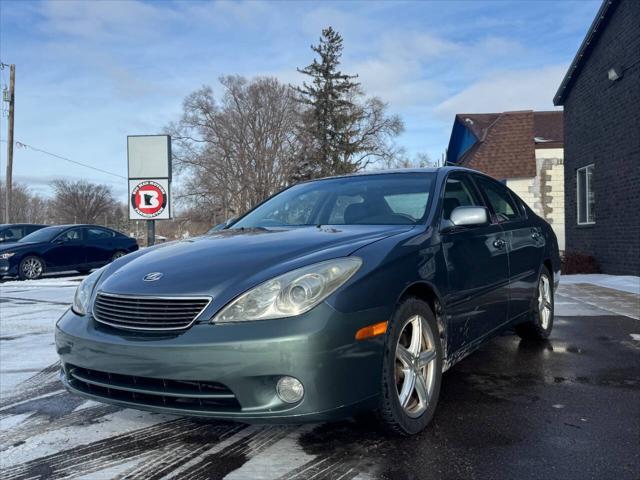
pixel 149 165
pixel 151 232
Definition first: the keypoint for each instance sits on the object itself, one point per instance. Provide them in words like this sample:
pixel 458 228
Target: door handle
pixel 499 243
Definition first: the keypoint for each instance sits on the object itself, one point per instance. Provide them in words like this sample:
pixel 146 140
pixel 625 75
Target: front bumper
pixel 341 376
pixel 8 267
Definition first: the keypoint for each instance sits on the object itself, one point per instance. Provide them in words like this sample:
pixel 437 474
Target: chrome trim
pixel 150 297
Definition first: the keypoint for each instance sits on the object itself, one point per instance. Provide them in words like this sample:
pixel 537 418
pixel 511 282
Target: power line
pixel 25 145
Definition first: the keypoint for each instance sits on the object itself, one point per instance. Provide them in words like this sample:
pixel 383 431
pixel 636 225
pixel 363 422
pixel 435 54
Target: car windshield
pixel 43 235
pixel 382 199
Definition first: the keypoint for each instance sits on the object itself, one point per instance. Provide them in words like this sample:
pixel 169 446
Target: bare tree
pixel 237 151
pixel 400 159
pixel 26 207
pixel 81 202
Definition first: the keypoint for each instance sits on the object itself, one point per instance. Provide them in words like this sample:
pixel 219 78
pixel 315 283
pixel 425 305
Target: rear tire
pixel 540 322
pixel 412 369
pixel 31 268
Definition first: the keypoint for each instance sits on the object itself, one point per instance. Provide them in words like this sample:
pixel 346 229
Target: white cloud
pixel 91 20
pixel 512 90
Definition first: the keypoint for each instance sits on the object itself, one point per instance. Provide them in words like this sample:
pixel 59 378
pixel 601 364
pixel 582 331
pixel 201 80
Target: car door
pixel 477 268
pixel 525 243
pixel 66 250
pixel 99 245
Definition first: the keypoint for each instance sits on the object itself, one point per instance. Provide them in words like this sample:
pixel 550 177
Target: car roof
pixel 397 171
pixel 9 225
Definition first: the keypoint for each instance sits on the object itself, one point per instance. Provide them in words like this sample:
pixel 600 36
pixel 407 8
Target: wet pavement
pixel 565 408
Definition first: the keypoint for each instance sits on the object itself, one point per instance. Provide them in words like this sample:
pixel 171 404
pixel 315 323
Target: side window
pixel 336 217
pixel 98 234
pixel 458 192
pixel 10 234
pixel 500 199
pixel 70 235
pixel 31 229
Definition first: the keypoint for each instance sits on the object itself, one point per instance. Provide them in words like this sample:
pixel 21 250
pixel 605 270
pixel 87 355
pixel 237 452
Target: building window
pixel 586 200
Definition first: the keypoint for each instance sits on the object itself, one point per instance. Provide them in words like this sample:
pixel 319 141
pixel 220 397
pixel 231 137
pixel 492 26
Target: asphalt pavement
pixel 566 408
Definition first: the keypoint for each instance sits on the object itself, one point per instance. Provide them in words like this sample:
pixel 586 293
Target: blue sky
pixel 90 73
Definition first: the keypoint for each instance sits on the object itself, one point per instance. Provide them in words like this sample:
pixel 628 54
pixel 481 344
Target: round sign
pixel 149 199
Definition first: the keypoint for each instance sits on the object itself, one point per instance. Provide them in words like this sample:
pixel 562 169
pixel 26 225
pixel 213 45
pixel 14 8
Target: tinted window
pixel 459 192
pixel 70 235
pixel 43 235
pixel 499 198
pixel 99 234
pixel 10 234
pixel 391 199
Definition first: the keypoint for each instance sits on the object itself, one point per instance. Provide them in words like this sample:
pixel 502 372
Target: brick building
pixel 601 98
pixel 524 149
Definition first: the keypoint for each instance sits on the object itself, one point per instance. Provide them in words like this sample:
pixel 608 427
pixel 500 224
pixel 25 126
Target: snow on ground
pixel 28 312
pixel 625 283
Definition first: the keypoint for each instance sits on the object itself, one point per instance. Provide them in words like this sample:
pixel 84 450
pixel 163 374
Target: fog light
pixel 290 390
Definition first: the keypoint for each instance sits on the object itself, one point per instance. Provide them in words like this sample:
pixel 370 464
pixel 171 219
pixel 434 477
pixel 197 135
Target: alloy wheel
pixel 544 301
pixel 32 268
pixel 117 255
pixel 415 366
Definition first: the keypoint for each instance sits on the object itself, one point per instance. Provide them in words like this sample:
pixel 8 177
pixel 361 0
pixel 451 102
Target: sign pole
pixel 151 233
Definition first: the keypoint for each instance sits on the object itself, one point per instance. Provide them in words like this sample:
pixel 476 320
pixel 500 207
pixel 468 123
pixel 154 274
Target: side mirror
pixel 465 217
pixel 469 216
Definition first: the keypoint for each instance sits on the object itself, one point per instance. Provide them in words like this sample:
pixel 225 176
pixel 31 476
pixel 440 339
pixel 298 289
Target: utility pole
pixel 9 178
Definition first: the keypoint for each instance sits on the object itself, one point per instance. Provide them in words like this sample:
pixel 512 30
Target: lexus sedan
pixel 63 248
pixel 12 232
pixel 333 298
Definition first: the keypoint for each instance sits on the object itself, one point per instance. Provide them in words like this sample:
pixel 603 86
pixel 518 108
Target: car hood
pixel 229 262
pixel 14 246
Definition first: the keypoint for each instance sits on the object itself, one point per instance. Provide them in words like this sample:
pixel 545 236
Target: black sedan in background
pixel 63 248
pixel 12 232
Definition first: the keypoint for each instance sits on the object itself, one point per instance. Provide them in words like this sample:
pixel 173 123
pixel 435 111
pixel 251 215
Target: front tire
pixel 540 322
pixel 31 268
pixel 117 255
pixel 412 369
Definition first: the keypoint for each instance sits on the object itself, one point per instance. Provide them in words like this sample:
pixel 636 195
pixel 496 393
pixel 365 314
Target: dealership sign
pixel 149 166
pixel 149 199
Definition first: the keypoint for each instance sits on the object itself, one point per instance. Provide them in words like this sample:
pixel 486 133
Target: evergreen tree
pixel 331 114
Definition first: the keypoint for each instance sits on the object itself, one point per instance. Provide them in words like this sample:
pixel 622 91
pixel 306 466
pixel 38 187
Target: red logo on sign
pixel 149 199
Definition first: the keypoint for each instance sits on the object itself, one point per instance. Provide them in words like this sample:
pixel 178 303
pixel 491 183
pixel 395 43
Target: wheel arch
pixel 430 294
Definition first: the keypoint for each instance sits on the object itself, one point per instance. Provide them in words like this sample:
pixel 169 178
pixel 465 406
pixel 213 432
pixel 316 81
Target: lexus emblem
pixel 153 276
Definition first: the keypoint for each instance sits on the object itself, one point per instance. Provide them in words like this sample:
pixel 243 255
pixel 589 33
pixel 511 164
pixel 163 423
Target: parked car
pixel 63 248
pixel 12 232
pixel 334 297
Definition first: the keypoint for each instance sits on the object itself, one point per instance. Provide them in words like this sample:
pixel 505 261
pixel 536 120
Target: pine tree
pixel 327 124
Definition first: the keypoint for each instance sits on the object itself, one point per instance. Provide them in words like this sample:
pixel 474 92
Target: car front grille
pixel 148 313
pixel 153 392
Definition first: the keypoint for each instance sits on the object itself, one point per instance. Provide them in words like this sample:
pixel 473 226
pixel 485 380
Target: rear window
pixel 411 204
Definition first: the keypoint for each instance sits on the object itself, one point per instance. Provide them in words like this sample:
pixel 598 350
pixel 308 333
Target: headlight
pixel 6 256
pixel 290 294
pixel 84 291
